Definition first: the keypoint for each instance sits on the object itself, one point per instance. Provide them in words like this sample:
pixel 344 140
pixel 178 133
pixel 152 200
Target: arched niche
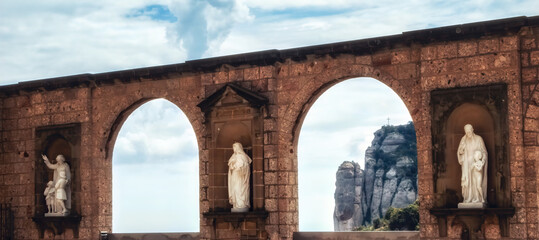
pixel 485 108
pixel 53 141
pixel 478 116
pixel 234 114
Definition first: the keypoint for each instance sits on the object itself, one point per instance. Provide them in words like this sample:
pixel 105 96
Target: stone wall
pixel 524 181
pixel 412 64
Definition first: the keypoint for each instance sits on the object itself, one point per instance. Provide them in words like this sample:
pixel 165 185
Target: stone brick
pixel 534 58
pixel 531 214
pixel 433 67
pixel 532 231
pixel 519 199
pixel 399 57
pixel 524 59
pixel 517 231
pixel 364 60
pixel 529 75
pixel 428 53
pixel 447 50
pixel 509 43
pixel 528 43
pixel 251 73
pixel 467 48
pixel 407 71
pixel 488 45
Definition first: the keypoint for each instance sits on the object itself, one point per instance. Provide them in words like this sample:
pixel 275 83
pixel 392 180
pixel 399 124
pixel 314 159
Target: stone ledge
pixel 236 216
pixel 473 218
pixel 443 212
pixel 58 224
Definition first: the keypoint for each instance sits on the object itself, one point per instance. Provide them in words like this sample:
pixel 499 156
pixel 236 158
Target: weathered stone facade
pixel 413 64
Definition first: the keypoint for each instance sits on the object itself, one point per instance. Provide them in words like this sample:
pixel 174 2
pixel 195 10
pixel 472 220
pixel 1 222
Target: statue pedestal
pixel 239 210
pixel 472 205
pixel 56 214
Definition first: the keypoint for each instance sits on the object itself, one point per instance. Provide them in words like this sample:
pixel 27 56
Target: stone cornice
pixel 501 27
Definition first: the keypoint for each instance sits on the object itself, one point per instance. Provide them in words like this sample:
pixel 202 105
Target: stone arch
pixel 115 130
pixel 310 91
pixel 307 95
pixel 110 125
pixel 116 125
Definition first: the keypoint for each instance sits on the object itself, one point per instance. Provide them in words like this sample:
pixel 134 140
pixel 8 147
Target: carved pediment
pixel 232 94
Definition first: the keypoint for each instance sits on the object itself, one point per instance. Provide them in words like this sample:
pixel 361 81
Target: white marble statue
pixel 238 179
pixel 50 197
pixel 61 180
pixel 472 156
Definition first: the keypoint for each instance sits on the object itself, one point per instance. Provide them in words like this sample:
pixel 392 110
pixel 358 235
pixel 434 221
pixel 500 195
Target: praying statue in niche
pixel 472 156
pixel 59 186
pixel 238 179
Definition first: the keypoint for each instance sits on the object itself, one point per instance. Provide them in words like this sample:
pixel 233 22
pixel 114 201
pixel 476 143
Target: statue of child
pixel 50 197
pixel 477 175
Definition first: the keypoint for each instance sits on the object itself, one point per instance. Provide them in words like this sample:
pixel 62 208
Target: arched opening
pixel 340 126
pixel 155 172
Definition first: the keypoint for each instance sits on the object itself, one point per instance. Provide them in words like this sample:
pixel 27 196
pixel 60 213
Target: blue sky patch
pixel 297 13
pixel 155 12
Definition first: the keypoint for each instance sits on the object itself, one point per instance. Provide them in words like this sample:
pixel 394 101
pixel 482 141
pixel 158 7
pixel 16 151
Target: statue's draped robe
pixel 238 180
pixel 466 160
pixel 62 167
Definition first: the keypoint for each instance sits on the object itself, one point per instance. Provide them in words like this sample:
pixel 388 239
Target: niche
pixel 485 108
pixel 53 141
pixel 234 114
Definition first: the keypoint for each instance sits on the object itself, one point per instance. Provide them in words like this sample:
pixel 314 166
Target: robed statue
pixel 472 156
pixel 238 179
pixel 58 193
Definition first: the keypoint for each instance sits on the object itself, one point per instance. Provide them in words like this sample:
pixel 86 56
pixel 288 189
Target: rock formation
pixel 389 179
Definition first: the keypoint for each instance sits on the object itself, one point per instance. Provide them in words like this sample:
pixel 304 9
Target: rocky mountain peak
pixel 388 180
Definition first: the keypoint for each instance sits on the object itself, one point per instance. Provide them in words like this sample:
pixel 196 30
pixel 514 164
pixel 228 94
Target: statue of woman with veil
pixel 238 179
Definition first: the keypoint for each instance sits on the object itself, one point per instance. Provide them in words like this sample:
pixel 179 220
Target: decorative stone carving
pixel 238 179
pixel 58 191
pixel 472 156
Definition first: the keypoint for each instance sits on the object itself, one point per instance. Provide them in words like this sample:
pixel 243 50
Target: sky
pixel 44 39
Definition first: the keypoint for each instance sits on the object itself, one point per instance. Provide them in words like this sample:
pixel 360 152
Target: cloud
pixel 156 132
pixel 155 12
pixel 41 40
pixel 203 25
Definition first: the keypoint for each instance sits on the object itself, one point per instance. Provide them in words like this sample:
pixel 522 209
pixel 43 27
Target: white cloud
pixel 203 25
pixel 156 132
pixel 40 40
